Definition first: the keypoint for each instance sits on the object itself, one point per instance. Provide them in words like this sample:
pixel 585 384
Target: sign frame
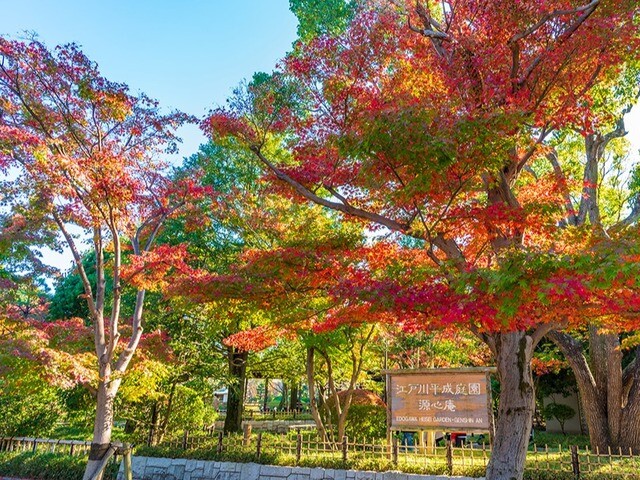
pixel 422 371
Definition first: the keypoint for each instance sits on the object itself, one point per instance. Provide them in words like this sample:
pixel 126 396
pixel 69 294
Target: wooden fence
pixel 22 444
pixel 305 448
pixel 69 447
pixel 299 447
pixel 275 414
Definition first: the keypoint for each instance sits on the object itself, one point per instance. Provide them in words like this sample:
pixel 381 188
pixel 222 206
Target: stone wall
pixel 147 468
pixel 574 424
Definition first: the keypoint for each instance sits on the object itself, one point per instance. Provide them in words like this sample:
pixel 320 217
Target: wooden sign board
pixel 447 400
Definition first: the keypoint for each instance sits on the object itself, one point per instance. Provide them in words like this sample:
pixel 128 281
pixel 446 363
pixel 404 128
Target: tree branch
pixel 543 330
pixel 573 352
pixel 341 207
pixel 98 320
pixel 561 178
pixel 127 354
pixel 586 11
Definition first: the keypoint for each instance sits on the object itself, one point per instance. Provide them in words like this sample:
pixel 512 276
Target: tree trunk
pixel 613 365
pixel 237 374
pixel 293 397
pixel 153 429
pixel 342 418
pixel 517 401
pixel 325 412
pixel 313 405
pixel 167 413
pixel 130 426
pixel 265 399
pixel 591 397
pixel 609 397
pixel 282 406
pixel 103 423
pixel 629 440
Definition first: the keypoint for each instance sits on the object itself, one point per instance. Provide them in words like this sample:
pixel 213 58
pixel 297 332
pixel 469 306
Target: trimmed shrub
pixel 367 416
pixel 560 412
pixel 368 421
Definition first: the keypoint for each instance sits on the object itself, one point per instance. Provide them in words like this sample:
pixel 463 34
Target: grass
pixel 47 466
pixel 546 438
pixel 69 431
pixel 543 464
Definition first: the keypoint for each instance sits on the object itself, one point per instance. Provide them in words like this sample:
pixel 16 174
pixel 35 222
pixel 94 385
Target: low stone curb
pixel 150 468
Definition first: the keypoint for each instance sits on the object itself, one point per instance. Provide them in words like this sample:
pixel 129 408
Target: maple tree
pixel 22 272
pixel 145 399
pixel 296 283
pixel 244 265
pixel 30 400
pixel 88 151
pixel 252 264
pixel 425 120
pixel 346 344
pixel 52 363
pixel 604 362
pixel 227 222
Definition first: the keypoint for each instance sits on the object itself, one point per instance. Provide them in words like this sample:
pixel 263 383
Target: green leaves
pixel 322 17
pixel 28 404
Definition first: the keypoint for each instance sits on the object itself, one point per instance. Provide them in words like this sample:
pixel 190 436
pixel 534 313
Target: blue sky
pixel 188 54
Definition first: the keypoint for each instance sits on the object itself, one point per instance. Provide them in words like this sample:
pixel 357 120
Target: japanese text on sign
pixel 439 400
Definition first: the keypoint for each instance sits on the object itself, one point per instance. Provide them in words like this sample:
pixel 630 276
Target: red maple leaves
pixel 427 122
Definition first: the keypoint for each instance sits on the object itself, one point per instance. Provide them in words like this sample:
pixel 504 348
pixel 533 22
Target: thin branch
pixel 586 9
pixel 98 321
pixel 114 334
pixel 561 178
pixel 485 337
pixel 630 219
pixel 341 207
pixel 127 354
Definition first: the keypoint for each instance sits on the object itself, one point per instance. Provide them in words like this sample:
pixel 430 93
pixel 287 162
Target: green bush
pixel 29 405
pixel 47 466
pixel 367 415
pixel 31 412
pixel 541 438
pixel 188 411
pixel 368 421
pixel 79 403
pixel 560 412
